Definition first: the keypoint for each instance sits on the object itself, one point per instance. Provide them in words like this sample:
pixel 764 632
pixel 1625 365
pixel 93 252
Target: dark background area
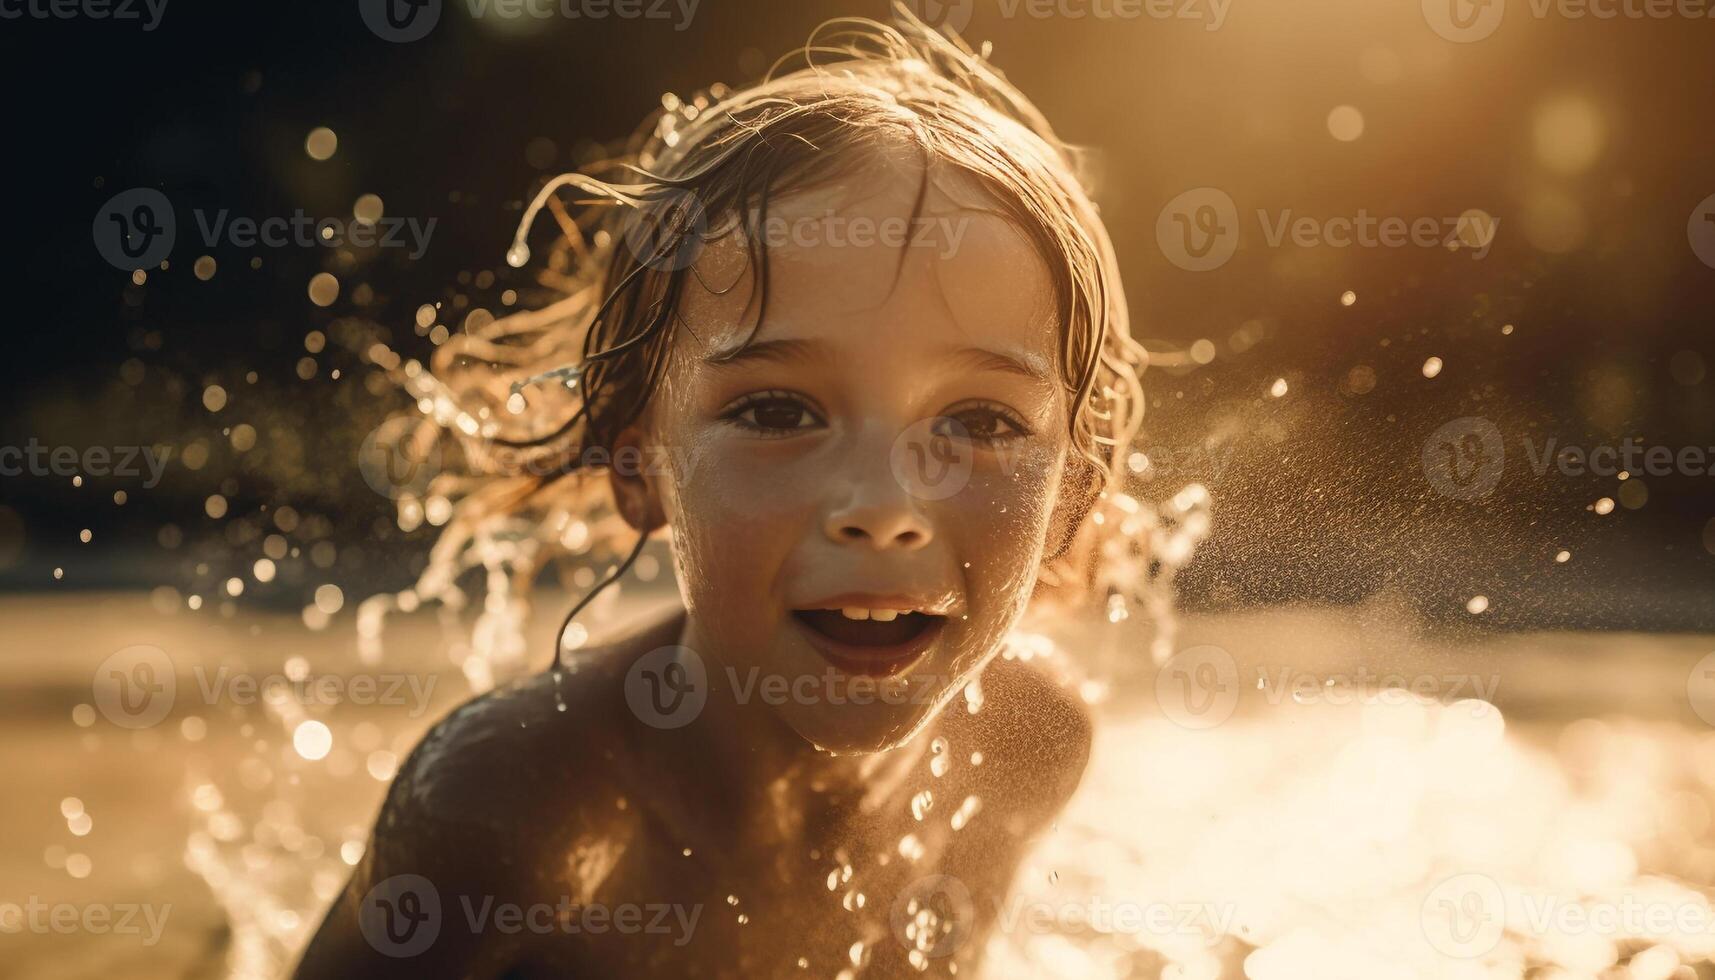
pixel 1319 494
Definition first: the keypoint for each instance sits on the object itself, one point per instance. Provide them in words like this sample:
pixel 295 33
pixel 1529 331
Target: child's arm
pixel 453 840
pixel 401 895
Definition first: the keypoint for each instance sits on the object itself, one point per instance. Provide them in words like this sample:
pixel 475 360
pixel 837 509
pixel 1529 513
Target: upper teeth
pixel 879 615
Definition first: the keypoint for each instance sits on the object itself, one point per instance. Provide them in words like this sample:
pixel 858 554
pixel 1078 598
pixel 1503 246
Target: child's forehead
pixel 863 262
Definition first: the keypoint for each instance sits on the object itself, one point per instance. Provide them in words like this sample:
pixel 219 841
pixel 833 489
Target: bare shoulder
pixel 543 746
pixel 485 809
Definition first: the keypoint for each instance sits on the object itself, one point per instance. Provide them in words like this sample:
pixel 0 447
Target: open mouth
pixel 876 642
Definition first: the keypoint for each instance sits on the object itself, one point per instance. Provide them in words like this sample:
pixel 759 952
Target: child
pixel 863 330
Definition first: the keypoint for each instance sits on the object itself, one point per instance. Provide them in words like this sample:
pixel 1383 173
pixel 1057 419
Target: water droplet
pixel 965 812
pixel 910 848
pixel 922 803
pixel 974 695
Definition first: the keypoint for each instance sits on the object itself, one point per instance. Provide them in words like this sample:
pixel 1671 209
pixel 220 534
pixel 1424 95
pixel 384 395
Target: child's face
pixel 816 472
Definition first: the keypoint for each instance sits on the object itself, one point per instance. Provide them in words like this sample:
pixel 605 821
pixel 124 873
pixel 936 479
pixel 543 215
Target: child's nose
pixel 880 524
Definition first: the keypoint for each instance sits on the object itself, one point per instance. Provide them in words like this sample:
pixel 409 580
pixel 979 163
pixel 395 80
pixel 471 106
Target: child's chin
pixel 861 729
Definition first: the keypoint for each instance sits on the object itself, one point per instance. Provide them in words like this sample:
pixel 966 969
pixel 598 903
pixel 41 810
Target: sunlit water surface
pixel 1299 837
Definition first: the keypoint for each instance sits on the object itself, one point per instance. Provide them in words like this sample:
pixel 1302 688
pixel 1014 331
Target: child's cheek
pixel 736 517
pixel 999 526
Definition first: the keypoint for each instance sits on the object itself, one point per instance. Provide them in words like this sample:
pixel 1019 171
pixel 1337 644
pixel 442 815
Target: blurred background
pixel 1377 427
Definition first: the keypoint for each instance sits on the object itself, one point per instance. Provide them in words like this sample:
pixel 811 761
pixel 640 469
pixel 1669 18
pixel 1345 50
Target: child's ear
pixel 634 474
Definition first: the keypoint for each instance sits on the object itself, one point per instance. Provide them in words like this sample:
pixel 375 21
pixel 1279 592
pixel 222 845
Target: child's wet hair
pixel 549 390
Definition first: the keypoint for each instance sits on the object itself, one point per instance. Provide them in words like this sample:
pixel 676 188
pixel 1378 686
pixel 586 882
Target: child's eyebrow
pixel 784 351
pixel 1025 366
pixel 778 351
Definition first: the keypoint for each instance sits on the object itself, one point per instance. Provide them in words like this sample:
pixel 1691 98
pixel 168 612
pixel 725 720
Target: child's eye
pixel 772 413
pixel 984 422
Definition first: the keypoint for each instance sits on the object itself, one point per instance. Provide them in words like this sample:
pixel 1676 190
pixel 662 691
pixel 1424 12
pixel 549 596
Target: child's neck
pixel 777 782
